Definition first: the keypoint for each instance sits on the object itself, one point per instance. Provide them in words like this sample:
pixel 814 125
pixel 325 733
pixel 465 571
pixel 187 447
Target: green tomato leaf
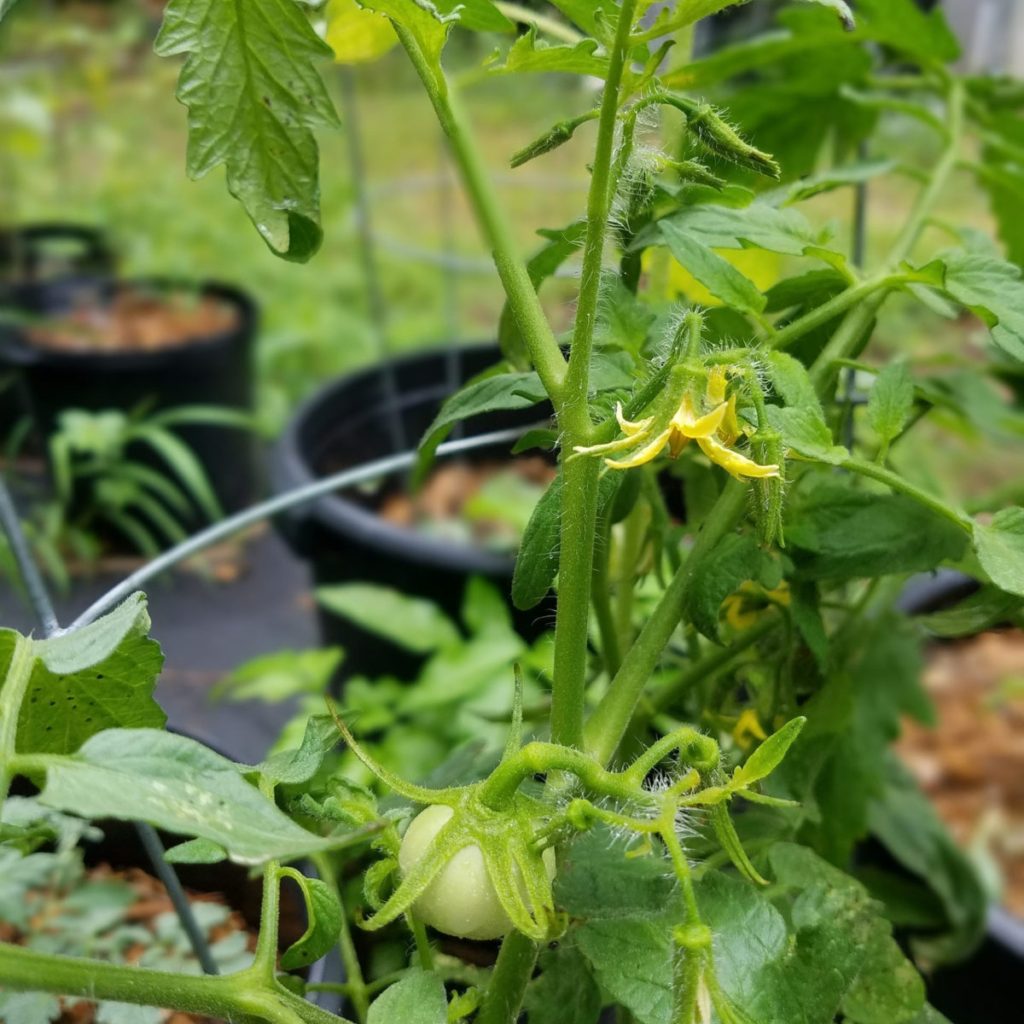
pixel 279 676
pixel 537 561
pixel 891 402
pixel 414 623
pixel 991 288
pixel 719 276
pixel 989 607
pixel 419 998
pixel 768 756
pixel 565 992
pixel 904 820
pixel 98 677
pixel 632 961
pixel 1000 548
pixel 529 53
pixel 291 767
pixel 842 532
pixel 176 784
pixel 735 559
pixel 758 226
pixel 805 432
pixel 254 98
pixel 488 393
pixel 355 34
pixel 902 25
pixel 323 912
pixel 196 851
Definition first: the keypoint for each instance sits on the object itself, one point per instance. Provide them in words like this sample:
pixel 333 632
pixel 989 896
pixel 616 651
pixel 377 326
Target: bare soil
pixel 452 486
pixel 972 763
pixel 136 320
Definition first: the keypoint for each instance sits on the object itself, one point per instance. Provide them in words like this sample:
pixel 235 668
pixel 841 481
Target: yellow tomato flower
pixel 713 431
pixel 747 729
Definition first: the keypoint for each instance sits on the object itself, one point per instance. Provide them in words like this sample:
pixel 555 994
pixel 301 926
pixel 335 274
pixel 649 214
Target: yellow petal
pixel 730 429
pixel 687 422
pixel 620 444
pixel 732 462
pixel 648 453
pixel 717 384
pixel 631 427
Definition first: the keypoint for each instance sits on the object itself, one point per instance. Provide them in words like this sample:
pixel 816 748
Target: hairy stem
pixel 579 490
pixel 608 724
pixel 522 296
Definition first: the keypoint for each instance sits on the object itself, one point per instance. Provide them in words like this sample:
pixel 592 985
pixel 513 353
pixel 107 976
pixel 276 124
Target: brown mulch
pixel 972 764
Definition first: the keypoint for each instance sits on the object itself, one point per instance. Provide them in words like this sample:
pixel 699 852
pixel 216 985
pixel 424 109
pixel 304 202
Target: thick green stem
pixel 242 998
pixel 608 723
pixel 579 490
pixel 507 987
pixel 572 620
pixel 19 672
pixel 522 296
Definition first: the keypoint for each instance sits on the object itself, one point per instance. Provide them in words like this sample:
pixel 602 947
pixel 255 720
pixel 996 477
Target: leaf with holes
pixel 95 678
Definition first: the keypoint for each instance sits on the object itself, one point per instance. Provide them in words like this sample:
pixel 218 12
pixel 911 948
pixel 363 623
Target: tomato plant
pixel 681 832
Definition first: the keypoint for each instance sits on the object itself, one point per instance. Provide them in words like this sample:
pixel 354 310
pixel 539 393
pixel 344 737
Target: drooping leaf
pixel 254 98
pixel 1000 548
pixel 891 402
pixel 98 677
pixel 179 785
pixel 719 276
pixel 323 915
pixel 537 560
pixel 418 998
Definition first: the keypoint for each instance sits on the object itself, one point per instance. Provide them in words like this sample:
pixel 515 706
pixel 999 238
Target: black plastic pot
pixel 349 422
pixel 212 370
pixel 980 990
pixel 53 250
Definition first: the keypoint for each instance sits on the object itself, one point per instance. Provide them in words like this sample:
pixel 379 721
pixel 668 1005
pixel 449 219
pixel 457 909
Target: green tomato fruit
pixel 461 900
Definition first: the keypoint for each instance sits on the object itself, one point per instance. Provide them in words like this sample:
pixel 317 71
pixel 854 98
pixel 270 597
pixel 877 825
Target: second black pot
pixel 213 370
pixel 349 422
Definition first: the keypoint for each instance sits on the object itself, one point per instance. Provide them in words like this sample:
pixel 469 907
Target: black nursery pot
pixel 348 423
pixel 979 990
pixel 216 369
pixel 42 252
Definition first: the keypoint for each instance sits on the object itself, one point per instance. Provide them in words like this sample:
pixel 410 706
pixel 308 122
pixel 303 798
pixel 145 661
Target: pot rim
pixel 291 468
pixel 35 356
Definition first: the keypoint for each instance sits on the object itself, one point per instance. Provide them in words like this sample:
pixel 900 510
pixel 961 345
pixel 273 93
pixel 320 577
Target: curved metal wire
pixel 280 503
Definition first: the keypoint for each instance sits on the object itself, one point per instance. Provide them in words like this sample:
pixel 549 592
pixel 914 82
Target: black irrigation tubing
pixel 43 608
pixel 280 503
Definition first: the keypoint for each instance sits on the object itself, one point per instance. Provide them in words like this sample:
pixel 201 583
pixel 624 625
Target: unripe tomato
pixel 461 899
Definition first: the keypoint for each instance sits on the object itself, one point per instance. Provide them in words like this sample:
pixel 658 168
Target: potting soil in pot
pixel 135 320
pixel 486 503
pixel 972 763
